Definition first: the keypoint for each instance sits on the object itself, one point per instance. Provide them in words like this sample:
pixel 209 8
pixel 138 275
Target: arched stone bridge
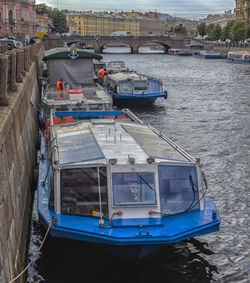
pixel 98 43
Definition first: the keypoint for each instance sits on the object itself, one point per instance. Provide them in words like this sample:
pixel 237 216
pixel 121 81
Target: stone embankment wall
pixel 222 46
pixel 19 97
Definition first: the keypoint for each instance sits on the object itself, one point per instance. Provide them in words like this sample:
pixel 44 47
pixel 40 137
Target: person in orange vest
pixel 60 85
pixel 60 89
pixel 101 76
pixel 102 73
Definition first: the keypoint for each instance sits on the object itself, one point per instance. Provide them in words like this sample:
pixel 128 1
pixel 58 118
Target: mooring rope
pixel 32 261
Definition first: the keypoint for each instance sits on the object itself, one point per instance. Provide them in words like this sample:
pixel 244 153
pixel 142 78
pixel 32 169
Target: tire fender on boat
pixel 166 94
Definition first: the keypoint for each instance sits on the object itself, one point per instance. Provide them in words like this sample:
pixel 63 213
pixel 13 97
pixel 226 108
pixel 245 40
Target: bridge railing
pixel 13 67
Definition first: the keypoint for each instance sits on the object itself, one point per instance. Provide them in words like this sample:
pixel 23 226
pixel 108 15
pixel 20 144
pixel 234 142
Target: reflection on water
pixel 206 113
pixel 142 49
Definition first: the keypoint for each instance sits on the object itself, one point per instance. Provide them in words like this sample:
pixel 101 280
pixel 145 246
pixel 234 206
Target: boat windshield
pixel 117 65
pixel 125 87
pixel 80 191
pixel 178 188
pixel 134 188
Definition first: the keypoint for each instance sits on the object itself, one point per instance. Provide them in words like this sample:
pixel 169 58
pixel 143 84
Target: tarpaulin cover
pixel 72 71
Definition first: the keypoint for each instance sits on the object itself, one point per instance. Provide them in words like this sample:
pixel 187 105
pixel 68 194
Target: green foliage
pixel 59 19
pixel 209 29
pixel 226 30
pixel 201 28
pixel 216 32
pixel 58 16
pixel 247 32
pixel 180 29
pixel 43 8
pixel 238 31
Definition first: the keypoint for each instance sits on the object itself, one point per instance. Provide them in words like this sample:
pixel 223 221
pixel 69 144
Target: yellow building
pixel 71 26
pixel 242 10
pixel 103 25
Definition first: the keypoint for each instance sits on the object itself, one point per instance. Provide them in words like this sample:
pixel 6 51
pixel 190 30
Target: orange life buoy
pixel 60 85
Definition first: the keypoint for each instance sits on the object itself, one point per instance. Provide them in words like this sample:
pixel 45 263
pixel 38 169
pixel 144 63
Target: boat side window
pixel 80 191
pixel 154 86
pixel 178 188
pixel 125 87
pixel 133 188
pixel 140 85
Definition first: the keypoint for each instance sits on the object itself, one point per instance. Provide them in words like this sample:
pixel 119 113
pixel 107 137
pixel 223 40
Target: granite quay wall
pixel 3 48
pixel 18 135
pixel 223 47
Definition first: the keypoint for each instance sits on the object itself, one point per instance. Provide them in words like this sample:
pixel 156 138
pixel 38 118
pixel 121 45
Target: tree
pixel 225 34
pixel 180 29
pixel 201 28
pixel 216 32
pixel 209 29
pixel 43 8
pixel 247 32
pixel 59 19
pixel 238 31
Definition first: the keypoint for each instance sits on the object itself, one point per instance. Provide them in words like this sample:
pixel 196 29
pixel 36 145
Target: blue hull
pixel 136 98
pixel 241 61
pixel 207 56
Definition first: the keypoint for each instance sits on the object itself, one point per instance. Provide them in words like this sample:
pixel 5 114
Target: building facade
pixel 17 16
pixel 222 19
pixel 71 25
pixel 242 10
pixel 43 21
pixel 103 25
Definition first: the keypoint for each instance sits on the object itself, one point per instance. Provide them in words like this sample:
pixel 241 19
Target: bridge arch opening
pixel 151 48
pixel 115 48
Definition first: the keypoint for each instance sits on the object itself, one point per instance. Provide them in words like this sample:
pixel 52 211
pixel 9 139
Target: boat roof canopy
pixel 63 53
pixel 99 140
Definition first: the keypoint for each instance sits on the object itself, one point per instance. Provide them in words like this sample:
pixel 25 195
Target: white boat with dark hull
pixel 110 179
pixel 242 57
pixel 116 67
pixel 80 93
pixel 134 88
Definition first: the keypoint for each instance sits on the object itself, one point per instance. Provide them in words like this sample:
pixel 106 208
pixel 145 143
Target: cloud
pixel 173 7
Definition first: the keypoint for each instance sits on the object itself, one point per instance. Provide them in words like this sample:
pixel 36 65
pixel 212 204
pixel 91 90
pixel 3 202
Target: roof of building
pixel 63 53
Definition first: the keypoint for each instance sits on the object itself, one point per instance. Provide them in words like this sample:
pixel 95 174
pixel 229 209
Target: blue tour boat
pixel 207 55
pixel 106 177
pixel 134 88
pixel 180 52
pixel 242 57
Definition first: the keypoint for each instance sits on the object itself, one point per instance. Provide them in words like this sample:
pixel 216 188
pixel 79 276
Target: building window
pixel 10 16
pixel 11 29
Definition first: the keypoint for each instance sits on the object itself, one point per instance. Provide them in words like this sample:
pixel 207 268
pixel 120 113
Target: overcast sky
pixel 184 8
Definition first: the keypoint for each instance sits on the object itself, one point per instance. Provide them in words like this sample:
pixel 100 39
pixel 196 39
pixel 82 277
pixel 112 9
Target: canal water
pixel 208 114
